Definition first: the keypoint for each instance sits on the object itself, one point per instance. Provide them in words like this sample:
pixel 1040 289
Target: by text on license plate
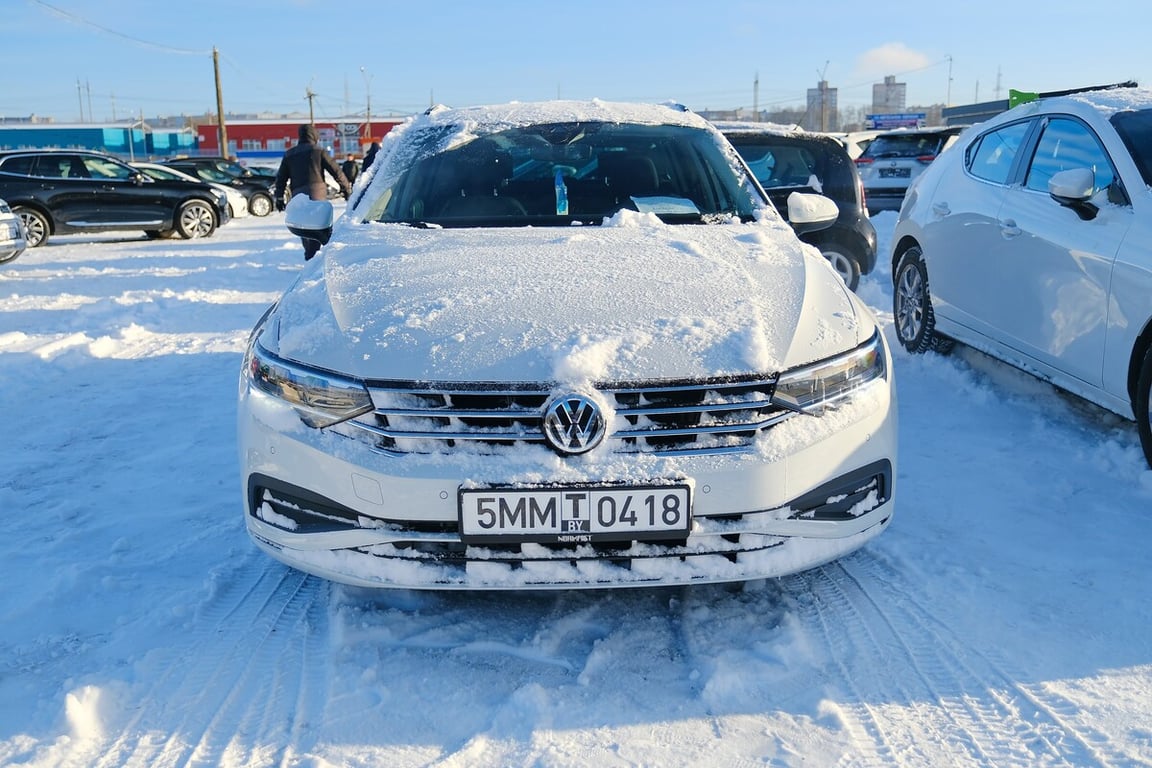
pixel 575 514
pixel 894 173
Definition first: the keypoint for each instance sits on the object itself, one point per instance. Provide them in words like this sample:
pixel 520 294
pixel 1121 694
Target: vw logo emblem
pixel 573 424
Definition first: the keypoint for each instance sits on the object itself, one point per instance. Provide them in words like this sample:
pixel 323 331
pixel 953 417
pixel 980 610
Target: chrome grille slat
pixel 667 417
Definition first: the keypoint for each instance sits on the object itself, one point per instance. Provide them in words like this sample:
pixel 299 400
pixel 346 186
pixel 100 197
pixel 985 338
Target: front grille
pixel 711 416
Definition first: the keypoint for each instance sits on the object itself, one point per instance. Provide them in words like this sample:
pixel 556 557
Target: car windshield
pixel 214 174
pixel 560 173
pixel 232 169
pixel 909 145
pixel 1135 129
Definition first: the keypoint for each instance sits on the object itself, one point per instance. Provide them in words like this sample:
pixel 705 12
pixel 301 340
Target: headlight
pixel 321 399
pixel 811 388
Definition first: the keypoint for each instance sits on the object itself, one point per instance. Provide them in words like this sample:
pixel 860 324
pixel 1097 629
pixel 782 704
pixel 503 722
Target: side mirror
pixel 309 218
pixel 810 213
pixel 1073 189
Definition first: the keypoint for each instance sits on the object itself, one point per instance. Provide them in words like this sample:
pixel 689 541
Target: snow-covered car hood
pixel 634 299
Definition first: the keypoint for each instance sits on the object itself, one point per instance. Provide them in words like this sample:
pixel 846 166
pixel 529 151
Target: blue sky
pixel 133 56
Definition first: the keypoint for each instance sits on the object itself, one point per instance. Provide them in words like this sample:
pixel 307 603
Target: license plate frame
pixel 574 514
pixel 895 173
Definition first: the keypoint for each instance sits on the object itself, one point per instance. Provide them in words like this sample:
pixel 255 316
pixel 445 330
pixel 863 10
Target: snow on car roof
pixel 747 126
pixel 1112 100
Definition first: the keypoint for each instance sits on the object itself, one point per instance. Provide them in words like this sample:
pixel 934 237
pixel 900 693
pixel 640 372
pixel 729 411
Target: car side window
pixel 1067 144
pixel 992 158
pixel 54 166
pixel 103 168
pixel 20 165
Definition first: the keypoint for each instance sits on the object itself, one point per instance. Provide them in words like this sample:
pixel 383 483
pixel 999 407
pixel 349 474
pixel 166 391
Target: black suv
pixel 60 191
pixel 786 161
pixel 257 188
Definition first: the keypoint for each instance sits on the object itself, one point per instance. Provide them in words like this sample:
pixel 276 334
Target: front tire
pixel 260 204
pixel 912 306
pixel 1143 406
pixel 36 226
pixel 195 219
pixel 846 266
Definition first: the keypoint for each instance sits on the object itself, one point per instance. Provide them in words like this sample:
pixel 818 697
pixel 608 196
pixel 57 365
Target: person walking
pixel 350 168
pixel 302 169
pixel 370 156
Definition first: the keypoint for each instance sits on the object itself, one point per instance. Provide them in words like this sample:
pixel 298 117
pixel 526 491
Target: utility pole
pixel 80 98
pixel 221 131
pixel 756 98
pixel 311 113
pixel 948 98
pixel 368 102
pixel 88 87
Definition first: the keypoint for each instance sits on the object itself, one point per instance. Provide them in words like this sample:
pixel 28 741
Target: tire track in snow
pixel 822 610
pixel 241 686
pixel 933 671
pixel 1040 719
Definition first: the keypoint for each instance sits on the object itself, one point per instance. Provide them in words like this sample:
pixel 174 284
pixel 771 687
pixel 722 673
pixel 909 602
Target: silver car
pixel 893 160
pixel 1031 240
pixel 12 240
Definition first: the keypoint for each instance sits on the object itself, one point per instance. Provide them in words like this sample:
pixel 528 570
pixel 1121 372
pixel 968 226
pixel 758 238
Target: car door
pixel 121 195
pixel 63 187
pixel 1054 262
pixel 962 229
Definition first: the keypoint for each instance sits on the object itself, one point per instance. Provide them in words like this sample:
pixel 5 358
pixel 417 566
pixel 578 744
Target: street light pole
pixel 368 100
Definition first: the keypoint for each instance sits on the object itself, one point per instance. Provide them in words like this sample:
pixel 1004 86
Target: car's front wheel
pixel 846 266
pixel 36 226
pixel 1143 406
pixel 260 204
pixel 195 219
pixel 912 306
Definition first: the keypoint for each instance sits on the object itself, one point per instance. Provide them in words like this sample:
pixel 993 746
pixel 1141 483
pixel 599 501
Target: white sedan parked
pixel 564 345
pixel 1031 239
pixel 237 203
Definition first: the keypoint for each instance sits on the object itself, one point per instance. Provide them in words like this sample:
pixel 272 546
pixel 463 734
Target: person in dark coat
pixel 350 168
pixel 302 169
pixel 370 156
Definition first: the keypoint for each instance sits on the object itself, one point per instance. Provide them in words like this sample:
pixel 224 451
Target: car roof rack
pixel 1016 97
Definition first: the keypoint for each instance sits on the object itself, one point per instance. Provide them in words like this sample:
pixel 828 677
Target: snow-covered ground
pixel 1003 620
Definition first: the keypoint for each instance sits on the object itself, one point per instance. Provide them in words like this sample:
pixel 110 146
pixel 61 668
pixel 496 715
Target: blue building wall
pixel 117 140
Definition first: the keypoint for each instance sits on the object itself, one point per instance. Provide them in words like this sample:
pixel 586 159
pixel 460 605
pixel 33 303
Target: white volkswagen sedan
pixel 1031 240
pixel 564 345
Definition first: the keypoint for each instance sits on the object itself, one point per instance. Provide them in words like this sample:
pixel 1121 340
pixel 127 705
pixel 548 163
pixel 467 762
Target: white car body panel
pixel 1015 274
pixel 386 302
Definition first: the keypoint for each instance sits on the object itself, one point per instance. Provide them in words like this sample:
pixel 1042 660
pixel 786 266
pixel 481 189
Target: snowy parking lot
pixel 1003 620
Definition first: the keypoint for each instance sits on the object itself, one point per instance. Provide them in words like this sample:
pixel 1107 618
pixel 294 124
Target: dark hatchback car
pixel 786 161
pixel 257 188
pixel 62 191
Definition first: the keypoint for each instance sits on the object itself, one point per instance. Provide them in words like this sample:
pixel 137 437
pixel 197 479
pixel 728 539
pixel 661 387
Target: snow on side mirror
pixel 809 213
pixel 305 217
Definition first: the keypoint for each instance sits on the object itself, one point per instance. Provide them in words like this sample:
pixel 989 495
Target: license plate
pixel 894 173
pixel 575 514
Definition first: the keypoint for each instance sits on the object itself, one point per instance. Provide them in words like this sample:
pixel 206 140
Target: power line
pixel 69 16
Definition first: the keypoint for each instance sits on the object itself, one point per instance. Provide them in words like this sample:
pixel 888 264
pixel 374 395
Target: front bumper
pixel 811 490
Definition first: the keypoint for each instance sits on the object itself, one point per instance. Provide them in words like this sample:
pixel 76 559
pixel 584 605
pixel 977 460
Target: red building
pixel 251 139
